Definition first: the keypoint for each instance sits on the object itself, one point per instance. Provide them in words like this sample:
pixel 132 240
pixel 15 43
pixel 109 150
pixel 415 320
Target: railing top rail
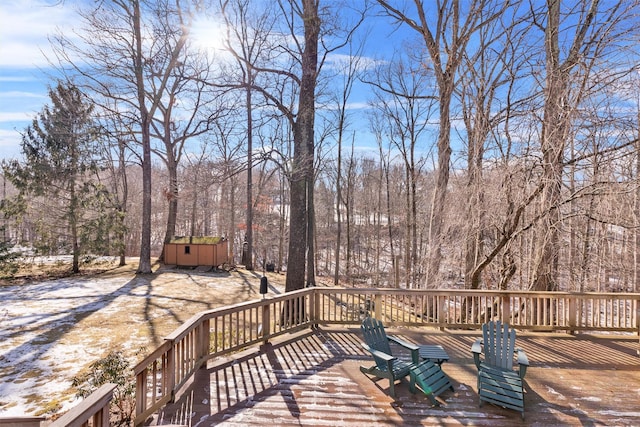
pixel 144 363
pixel 382 291
pixel 81 413
pixel 187 326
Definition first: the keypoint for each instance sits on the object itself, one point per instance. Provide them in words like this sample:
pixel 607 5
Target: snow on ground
pixel 52 330
pixel 37 363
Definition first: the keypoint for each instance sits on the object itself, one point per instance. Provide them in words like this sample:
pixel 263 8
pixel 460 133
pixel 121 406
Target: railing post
pixel 377 306
pixel 205 341
pixel 313 307
pixel 506 309
pixel 266 322
pixel 141 392
pixel 573 313
pixel 442 306
pixel 638 324
pixel 101 418
pixel 171 370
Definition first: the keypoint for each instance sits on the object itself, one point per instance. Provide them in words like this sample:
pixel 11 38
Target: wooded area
pixel 499 146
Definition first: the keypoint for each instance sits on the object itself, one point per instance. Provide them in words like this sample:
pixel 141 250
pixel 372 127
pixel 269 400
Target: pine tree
pixel 8 256
pixel 59 175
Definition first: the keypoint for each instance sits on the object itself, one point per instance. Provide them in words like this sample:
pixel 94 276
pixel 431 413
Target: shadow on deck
pixel 313 379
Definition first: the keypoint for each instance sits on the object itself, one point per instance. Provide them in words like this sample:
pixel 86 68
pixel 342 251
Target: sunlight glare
pixel 208 34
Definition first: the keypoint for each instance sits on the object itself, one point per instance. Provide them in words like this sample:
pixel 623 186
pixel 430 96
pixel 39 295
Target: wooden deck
pixel 313 379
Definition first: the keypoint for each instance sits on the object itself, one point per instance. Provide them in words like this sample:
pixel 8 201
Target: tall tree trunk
pixel 636 212
pixel 311 233
pixel 194 201
pixel 475 212
pixel 232 218
pixel 303 140
pixel 172 199
pixel 144 266
pixel 555 131
pixel 122 203
pixel 407 227
pixel 349 206
pixel 414 221
pixel 442 181
pixel 336 274
pixel 248 262
pixel 73 223
pixel 281 223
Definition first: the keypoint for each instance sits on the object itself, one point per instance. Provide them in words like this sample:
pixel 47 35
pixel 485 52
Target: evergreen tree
pixel 8 256
pixel 59 176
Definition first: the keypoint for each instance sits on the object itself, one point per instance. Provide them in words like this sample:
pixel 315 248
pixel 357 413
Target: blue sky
pixel 24 73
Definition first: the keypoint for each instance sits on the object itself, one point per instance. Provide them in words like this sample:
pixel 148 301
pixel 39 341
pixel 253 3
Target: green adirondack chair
pixel 428 375
pixel 498 382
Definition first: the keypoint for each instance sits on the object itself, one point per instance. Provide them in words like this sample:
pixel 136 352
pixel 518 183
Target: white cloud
pixel 339 61
pixel 15 79
pixel 9 143
pixel 20 94
pixel 25 27
pixel 15 117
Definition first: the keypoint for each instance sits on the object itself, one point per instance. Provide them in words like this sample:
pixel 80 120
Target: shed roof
pixel 197 240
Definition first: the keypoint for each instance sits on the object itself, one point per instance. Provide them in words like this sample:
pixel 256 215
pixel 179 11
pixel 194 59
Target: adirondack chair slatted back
pixel 376 338
pixel 499 344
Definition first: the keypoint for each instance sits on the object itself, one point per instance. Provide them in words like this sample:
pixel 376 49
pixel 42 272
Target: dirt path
pixel 52 330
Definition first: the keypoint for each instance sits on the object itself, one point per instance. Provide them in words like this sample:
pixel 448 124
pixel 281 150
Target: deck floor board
pixel 313 379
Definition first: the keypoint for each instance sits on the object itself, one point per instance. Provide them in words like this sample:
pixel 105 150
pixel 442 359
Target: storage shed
pixel 197 251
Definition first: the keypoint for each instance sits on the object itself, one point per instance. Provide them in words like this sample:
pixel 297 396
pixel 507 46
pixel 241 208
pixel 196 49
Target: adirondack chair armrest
pixel 381 355
pixel 415 355
pixel 476 349
pixel 403 343
pixel 523 361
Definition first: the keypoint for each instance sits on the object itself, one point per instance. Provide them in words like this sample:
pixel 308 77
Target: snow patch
pixel 590 399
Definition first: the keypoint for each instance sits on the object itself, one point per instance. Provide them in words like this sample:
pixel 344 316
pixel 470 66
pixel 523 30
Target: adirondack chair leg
pixel 392 388
pixel 378 375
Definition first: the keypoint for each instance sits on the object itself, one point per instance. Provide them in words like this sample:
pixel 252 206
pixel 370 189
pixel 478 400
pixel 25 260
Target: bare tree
pixel 302 174
pixel 185 112
pixel 115 58
pixel 446 34
pixel 491 70
pixel 406 107
pixel 292 74
pixel 249 40
pixel 115 160
pixel 564 55
pixel 348 72
pixel 227 145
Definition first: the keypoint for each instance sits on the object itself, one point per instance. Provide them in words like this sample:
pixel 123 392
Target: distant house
pixel 197 251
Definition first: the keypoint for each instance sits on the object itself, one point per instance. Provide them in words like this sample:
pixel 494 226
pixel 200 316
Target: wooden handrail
pixel 95 408
pixel 220 331
pixel 26 421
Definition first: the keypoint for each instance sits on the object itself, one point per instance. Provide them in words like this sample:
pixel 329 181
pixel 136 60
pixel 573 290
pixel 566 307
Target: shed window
pixel 187 250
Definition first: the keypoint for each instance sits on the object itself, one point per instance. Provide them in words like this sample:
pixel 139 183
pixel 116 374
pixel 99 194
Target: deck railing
pixel 92 411
pixel 213 333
